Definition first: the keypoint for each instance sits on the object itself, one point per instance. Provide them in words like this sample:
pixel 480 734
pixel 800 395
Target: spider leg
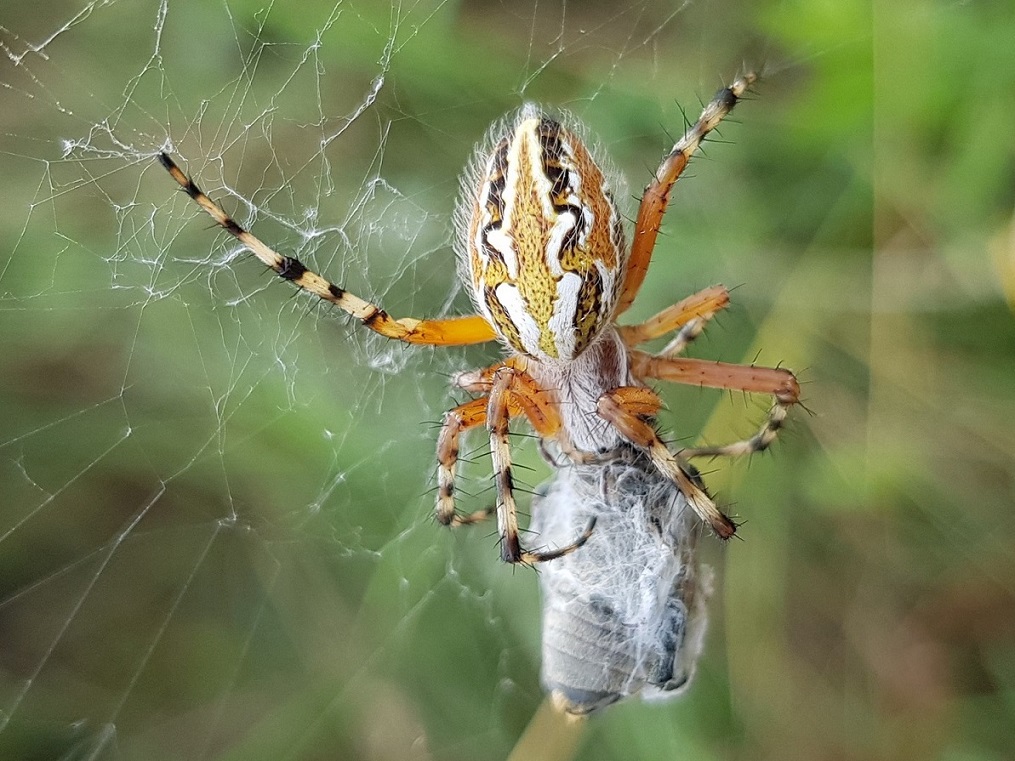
pixel 530 401
pixel 684 336
pixel 629 409
pixel 524 398
pixel 657 192
pixel 453 331
pixel 481 381
pixel 778 382
pixel 539 406
pixel 509 392
pixel 463 417
pixel 498 414
pixel 688 316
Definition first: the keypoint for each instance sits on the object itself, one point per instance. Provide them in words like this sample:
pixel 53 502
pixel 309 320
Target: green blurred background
pixel 215 538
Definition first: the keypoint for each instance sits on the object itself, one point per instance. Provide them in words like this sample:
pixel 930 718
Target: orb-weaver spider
pixel 541 246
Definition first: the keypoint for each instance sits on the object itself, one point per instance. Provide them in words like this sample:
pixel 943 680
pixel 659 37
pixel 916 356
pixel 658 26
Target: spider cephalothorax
pixel 544 256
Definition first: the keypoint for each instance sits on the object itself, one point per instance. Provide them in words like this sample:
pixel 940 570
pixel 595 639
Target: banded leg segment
pixel 453 331
pixel 460 419
pixel 777 382
pixel 657 194
pixel 498 416
pixel 524 397
pixel 510 392
pixel 629 409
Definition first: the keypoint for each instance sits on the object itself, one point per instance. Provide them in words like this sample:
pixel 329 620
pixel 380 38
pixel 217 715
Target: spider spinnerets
pixel 542 247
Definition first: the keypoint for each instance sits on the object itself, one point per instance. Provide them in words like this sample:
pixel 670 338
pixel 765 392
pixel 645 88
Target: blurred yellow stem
pixel 550 736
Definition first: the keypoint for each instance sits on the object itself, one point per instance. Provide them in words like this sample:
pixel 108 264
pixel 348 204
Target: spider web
pixel 216 539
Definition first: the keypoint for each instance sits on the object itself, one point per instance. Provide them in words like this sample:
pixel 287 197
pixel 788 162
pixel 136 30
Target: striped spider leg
pixel 774 381
pixel 631 409
pixel 508 391
pixel 688 319
pixel 454 331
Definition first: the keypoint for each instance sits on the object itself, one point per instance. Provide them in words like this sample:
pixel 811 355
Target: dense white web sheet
pixel 215 537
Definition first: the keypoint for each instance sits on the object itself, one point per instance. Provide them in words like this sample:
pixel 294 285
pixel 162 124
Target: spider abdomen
pixel 544 242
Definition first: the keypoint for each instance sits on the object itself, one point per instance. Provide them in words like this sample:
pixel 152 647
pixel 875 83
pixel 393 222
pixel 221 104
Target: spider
pixel 541 246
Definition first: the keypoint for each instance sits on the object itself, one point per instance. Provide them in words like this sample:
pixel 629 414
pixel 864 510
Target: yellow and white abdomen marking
pixel 545 242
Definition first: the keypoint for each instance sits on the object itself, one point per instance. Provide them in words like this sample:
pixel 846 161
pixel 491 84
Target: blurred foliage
pixel 214 543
